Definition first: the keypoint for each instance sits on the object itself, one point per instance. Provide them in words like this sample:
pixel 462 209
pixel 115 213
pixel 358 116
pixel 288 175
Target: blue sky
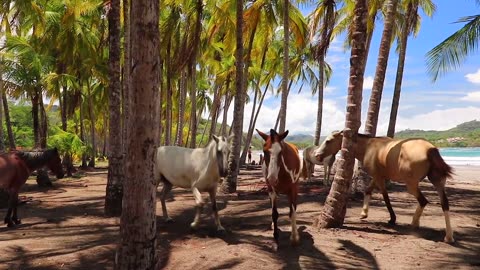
pixel 440 105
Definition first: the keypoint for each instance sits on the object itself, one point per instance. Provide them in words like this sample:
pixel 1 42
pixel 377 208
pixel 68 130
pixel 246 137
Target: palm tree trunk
pixel 82 134
pixel 279 116
pixel 125 99
pixel 137 223
pixel 43 125
pixel 8 122
pixel 399 77
pixel 2 133
pixel 116 173
pixel 380 72
pixel 193 108
pixel 169 107
pixel 335 208
pixel 230 185
pixel 36 125
pixel 286 62
pixel 215 109
pixel 226 106
pixel 321 72
pixel 181 108
pixel 92 128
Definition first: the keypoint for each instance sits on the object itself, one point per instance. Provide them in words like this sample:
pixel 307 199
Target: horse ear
pixel 263 135
pixel 230 138
pixel 215 138
pixel 283 135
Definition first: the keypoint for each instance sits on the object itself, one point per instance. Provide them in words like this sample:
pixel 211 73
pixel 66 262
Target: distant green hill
pixel 464 135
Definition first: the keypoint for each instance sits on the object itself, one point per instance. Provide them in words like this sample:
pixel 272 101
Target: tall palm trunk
pixel 2 133
pixel 8 122
pixel 286 63
pixel 321 71
pixel 92 128
pixel 36 123
pixel 230 185
pixel 215 109
pixel 169 106
pixel 380 72
pixel 193 108
pixel 181 108
pixel 43 125
pixel 116 173
pixel 226 106
pixel 125 101
pixel 137 223
pixel 333 213
pixel 82 133
pixel 411 12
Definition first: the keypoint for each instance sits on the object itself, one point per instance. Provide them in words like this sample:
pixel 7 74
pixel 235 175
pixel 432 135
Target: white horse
pixel 310 161
pixel 197 169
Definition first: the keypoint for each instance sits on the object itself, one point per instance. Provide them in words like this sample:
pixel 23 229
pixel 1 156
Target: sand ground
pixel 64 228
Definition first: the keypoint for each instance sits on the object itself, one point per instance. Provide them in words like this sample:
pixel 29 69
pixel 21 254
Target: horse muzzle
pixel 319 158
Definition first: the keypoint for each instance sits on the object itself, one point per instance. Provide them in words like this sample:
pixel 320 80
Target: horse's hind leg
pixel 199 207
pixel 422 202
pixel 393 217
pixel 213 194
pixel 440 186
pixel 167 186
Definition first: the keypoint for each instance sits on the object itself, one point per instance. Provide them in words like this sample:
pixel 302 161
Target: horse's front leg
pixel 273 200
pixel 213 195
pixel 199 206
pixel 167 186
pixel 366 199
pixel 292 199
pixel 12 204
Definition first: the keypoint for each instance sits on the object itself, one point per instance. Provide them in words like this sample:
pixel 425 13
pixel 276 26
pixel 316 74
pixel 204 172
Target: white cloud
pixel 473 77
pixel 435 120
pixel 472 97
pixel 368 82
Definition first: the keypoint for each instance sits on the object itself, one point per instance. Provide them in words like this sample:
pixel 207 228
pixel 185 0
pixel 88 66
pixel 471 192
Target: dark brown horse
pixel 16 167
pixel 281 170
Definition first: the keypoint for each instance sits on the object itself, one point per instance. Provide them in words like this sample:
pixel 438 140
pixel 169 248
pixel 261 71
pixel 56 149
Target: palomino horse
pixel 198 169
pixel 309 162
pixel 281 170
pixel 16 167
pixel 407 161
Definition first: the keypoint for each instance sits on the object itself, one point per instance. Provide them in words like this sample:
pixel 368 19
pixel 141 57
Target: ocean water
pixel 462 156
pixel 468 156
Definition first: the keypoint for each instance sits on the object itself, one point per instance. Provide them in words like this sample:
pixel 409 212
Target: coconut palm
pixel 450 53
pixel 410 26
pixel 138 227
pixel 333 213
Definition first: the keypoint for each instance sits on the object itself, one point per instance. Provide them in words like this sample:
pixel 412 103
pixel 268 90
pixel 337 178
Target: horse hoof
pixel 220 229
pixel 415 225
pixel 294 241
pixel 392 222
pixel 10 224
pixel 449 239
pixel 363 216
pixel 169 220
pixel 17 221
pixel 193 225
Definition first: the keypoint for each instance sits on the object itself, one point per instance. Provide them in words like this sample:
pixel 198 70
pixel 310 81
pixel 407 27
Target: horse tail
pixel 439 169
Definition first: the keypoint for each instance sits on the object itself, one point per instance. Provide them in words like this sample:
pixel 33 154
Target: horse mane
pixel 35 159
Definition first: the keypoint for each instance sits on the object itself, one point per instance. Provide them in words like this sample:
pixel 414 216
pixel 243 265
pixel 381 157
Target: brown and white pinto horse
pixel 281 169
pixel 407 161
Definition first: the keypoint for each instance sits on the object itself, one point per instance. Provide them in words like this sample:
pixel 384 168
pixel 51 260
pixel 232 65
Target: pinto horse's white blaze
pixel 273 168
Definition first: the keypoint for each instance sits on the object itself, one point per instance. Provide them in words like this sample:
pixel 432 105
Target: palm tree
pixel 230 185
pixel 114 189
pixel 380 72
pixel 286 36
pixel 333 213
pixel 450 53
pixel 137 223
pixel 411 25
pixel 326 16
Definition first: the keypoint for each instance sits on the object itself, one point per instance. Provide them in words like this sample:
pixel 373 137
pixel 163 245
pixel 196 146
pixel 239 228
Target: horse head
pixel 55 163
pixel 330 146
pixel 222 147
pixel 272 149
